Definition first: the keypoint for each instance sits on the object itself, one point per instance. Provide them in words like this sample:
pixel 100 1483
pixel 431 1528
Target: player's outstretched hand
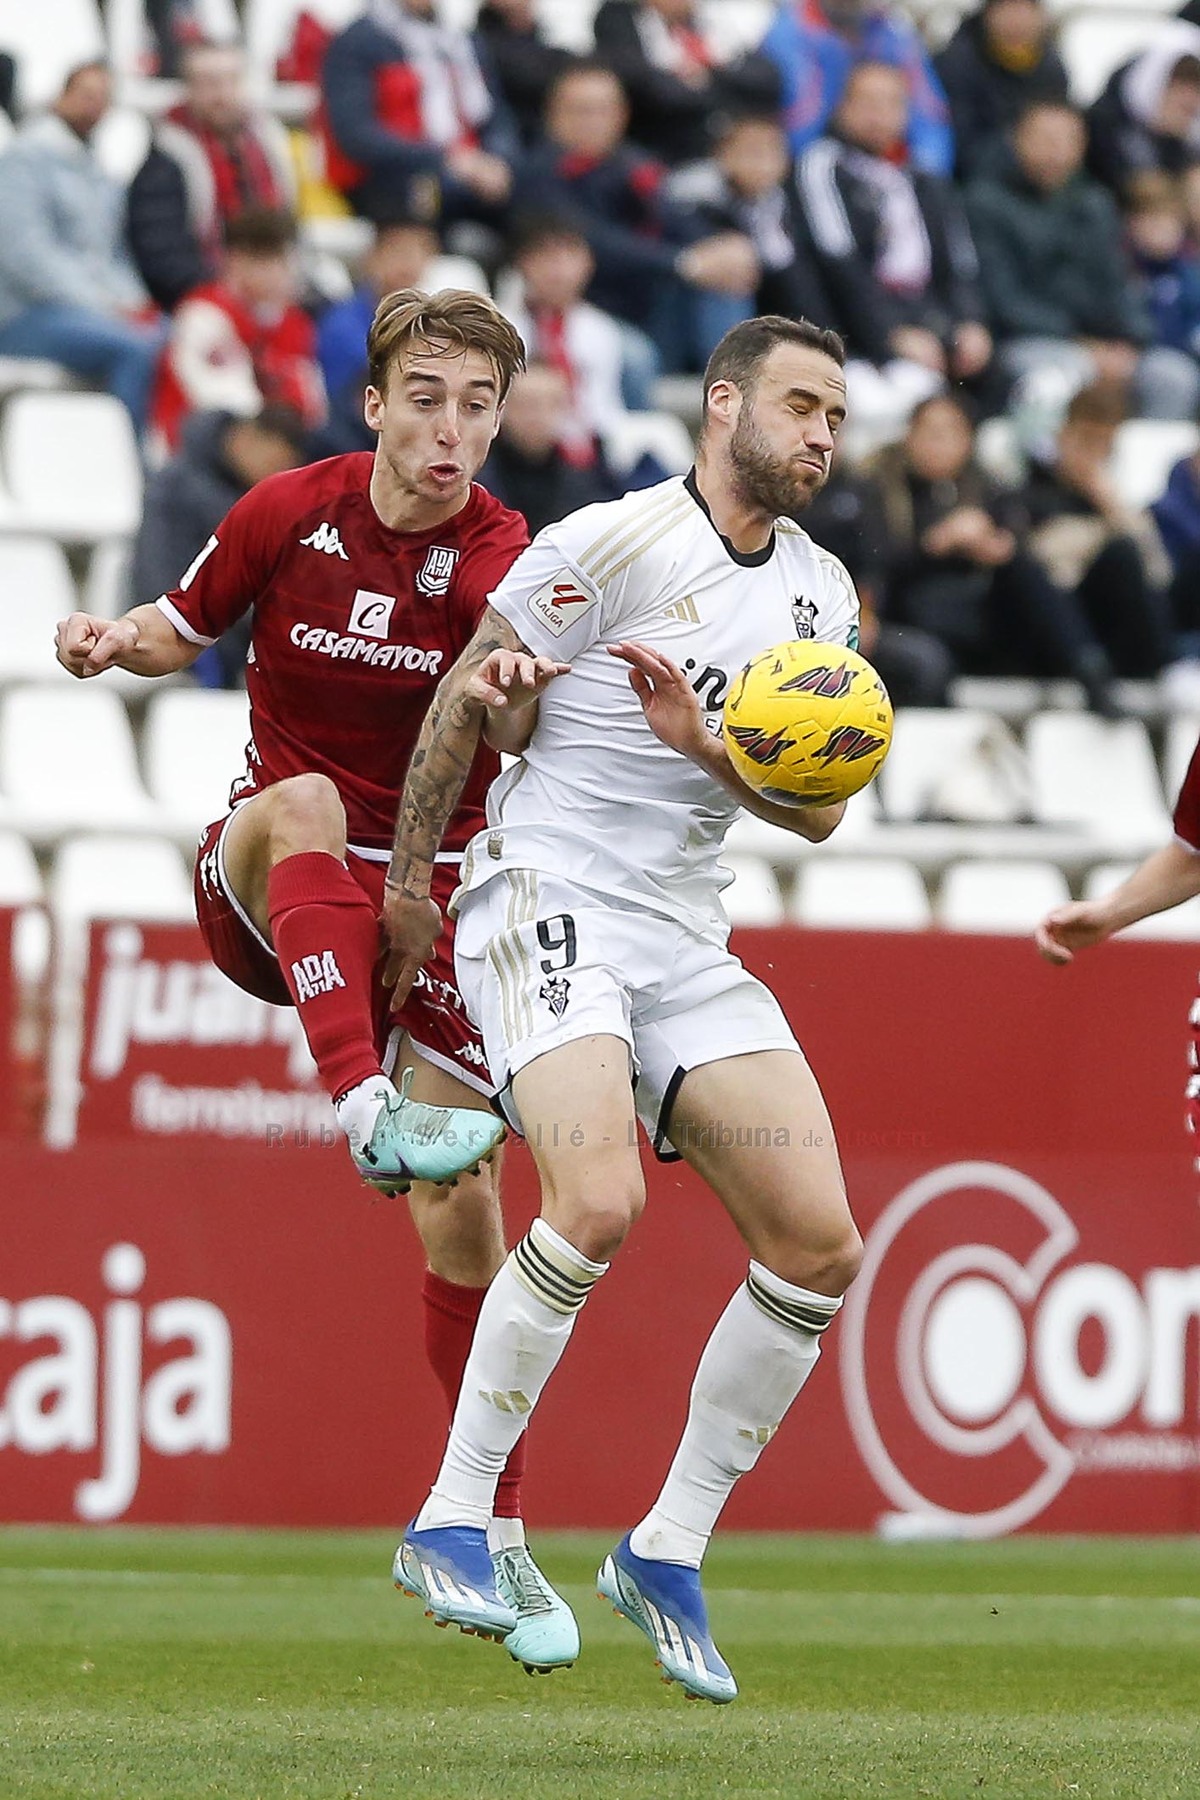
pixel 668 699
pixel 411 927
pixel 87 646
pixel 512 678
pixel 1071 928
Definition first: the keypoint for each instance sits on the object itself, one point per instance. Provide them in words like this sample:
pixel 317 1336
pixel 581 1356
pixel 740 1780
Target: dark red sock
pixel 326 937
pixel 451 1315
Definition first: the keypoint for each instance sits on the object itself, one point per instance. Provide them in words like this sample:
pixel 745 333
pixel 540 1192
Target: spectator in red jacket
pixel 212 156
pixel 241 342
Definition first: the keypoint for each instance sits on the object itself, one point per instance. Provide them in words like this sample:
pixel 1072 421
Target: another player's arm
pixel 480 684
pixel 673 713
pixel 144 641
pixel 1167 878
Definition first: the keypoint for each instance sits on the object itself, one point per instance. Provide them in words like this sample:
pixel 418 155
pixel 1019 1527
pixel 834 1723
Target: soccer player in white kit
pixel 591 948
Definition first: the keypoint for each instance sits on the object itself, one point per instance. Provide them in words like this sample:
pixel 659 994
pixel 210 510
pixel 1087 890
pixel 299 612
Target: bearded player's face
pixel 436 420
pixel 782 443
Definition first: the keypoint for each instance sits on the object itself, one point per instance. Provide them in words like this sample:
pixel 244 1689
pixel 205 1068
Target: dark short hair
pixel 965 407
pixel 1047 103
pixel 536 231
pixel 1185 69
pixel 585 65
pixel 741 353
pixel 281 422
pixel 261 231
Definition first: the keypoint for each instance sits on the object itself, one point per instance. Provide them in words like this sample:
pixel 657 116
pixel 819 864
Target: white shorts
pixel 540 963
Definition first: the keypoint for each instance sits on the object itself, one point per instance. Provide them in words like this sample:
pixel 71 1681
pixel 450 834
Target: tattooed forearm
pixel 442 761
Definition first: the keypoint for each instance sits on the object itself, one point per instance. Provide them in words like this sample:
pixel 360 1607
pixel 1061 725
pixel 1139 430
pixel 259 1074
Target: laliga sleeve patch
pixel 559 604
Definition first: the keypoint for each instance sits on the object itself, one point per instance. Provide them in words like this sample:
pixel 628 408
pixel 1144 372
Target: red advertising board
pixel 162 1045
pixel 200 1328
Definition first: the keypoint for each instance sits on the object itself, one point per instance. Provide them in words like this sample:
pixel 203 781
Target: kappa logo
pixel 325 538
pixel 433 577
pixel 558 604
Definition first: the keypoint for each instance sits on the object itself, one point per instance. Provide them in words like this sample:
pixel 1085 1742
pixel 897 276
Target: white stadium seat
pixel 658 434
pixel 1094 44
pixel 1002 897
pixel 38 591
pixel 1181 924
pixel 1098 776
pixel 71 466
pixel 20 878
pixel 1145 453
pixel 927 743
pixel 754 898
pixel 20 372
pixel 49 38
pixel 67 762
pixel 194 746
pixel 861 894
pixel 112 877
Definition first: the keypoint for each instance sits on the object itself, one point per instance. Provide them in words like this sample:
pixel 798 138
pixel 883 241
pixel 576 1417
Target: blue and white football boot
pixel 665 1601
pixel 450 1568
pixel 413 1141
pixel 545 1636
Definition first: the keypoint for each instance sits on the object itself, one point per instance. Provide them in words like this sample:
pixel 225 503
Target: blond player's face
pixel 436 420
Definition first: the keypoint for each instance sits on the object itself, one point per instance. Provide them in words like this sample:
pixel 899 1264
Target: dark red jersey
pixel 1187 807
pixel 354 626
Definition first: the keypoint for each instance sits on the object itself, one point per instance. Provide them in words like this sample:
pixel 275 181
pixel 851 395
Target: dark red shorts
pixel 433 1015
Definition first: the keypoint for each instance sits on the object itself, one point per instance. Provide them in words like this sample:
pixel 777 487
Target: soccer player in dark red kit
pixel 366 575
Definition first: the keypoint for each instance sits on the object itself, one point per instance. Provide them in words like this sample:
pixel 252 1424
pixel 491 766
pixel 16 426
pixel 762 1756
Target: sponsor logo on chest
pixel 365 638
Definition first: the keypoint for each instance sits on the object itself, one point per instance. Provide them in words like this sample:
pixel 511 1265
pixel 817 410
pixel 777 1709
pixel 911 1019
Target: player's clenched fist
pixel 1071 928
pixel 87 646
pixel 513 678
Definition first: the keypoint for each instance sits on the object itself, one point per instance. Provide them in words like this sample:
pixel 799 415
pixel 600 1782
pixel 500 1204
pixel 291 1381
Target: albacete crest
pixel 434 575
pixel 556 992
pixel 804 613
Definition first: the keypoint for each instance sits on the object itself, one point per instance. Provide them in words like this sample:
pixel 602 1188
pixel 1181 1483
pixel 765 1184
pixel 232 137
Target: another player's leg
pixel 780 1180
pixel 592 1191
pixel 462 1234
pixel 281 859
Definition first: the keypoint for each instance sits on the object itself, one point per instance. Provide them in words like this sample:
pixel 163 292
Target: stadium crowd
pixel 989 249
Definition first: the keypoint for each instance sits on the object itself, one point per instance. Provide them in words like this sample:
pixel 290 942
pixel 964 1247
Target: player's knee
pixel 827 1267
pixel 597 1227
pixel 307 814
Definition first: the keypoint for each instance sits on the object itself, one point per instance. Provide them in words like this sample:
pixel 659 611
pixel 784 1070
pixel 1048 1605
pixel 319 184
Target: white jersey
pixel 596 797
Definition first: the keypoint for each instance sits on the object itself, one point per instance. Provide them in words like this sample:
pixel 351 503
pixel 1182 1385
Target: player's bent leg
pixel 756 1128
pixel 282 861
pixel 575 1103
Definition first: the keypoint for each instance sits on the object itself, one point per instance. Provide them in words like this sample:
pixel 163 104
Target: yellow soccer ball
pixel 807 724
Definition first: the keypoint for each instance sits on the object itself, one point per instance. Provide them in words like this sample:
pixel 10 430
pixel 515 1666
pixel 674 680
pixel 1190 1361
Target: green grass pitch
pixel 255 1665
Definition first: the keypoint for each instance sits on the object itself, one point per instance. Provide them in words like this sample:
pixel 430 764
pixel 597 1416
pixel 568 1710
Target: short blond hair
pixel 455 317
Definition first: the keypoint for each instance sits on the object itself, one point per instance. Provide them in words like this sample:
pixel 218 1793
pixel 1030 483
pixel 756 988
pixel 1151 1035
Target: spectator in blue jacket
pixel 815 44
pixel 408 104
pixel 658 266
pixel 1177 515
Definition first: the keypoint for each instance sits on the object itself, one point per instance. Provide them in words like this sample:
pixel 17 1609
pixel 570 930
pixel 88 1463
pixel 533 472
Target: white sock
pixel 505 1534
pixel 762 1351
pixel 360 1106
pixel 527 1316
